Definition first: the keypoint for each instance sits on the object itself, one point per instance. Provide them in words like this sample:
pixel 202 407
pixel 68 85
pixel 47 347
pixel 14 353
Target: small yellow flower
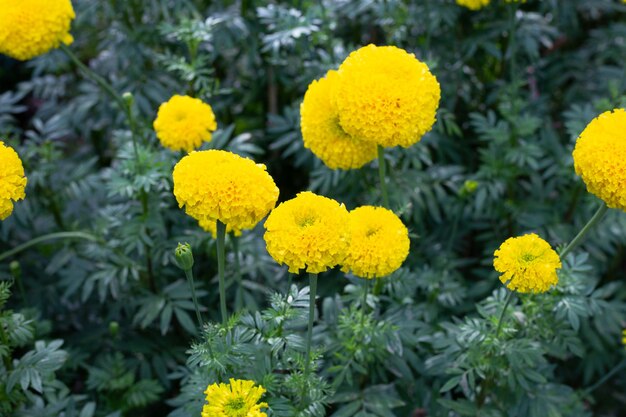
pixel 624 331
pixel 184 122
pixel 600 157
pixel 379 243
pixel 12 180
pixel 219 185
pixel 527 264
pixel 309 231
pixel 239 398
pixel 322 133
pixel 29 28
pixel 386 96
pixel 473 4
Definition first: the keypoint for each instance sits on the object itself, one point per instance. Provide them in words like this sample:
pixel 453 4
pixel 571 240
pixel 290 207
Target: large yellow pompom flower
pixel 12 180
pixel 600 157
pixel 386 96
pixel 379 243
pixel 219 185
pixel 184 122
pixel 473 4
pixel 322 133
pixel 527 263
pixel 239 398
pixel 308 231
pixel 29 28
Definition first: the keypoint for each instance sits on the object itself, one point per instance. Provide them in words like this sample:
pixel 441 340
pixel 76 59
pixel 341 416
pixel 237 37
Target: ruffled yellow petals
pixel 219 185
pixel 184 123
pixel 29 28
pixel 239 398
pixel 527 263
pixel 600 157
pixel 379 243
pixel 12 180
pixel 308 232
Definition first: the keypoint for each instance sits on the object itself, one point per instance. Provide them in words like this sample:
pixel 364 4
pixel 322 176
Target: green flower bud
pixel 469 187
pixel 128 98
pixel 184 256
pixel 114 328
pixel 16 269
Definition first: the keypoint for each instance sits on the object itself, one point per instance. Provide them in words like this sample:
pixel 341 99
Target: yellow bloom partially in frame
pixel 238 398
pixel 12 180
pixel 29 28
pixel 308 232
pixel 473 4
pixel 184 123
pixel 379 243
pixel 600 157
pixel 527 264
pixel 219 185
pixel 386 96
pixel 322 133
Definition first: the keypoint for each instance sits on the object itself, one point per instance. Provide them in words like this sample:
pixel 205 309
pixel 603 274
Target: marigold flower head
pixel 527 264
pixel 12 180
pixel 29 28
pixel 386 96
pixel 322 133
pixel 219 185
pixel 379 243
pixel 239 398
pixel 600 157
pixel 184 122
pixel 308 231
pixel 473 4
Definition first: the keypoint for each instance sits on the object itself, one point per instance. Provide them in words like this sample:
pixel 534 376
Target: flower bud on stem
pixel 184 259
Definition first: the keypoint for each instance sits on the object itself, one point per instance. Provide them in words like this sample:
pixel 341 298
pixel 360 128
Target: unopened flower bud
pixel 128 98
pixel 16 269
pixel 114 328
pixel 184 256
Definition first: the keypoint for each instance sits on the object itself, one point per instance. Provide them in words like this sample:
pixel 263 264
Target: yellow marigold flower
pixel 29 28
pixel 12 180
pixel 379 243
pixel 527 264
pixel 624 331
pixel 473 4
pixel 239 398
pixel 308 231
pixel 322 133
pixel 219 185
pixel 184 122
pixel 600 157
pixel 386 96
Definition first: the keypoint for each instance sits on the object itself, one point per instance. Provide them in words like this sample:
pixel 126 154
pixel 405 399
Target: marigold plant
pixel 12 180
pixel 379 242
pixel 219 185
pixel 386 96
pixel 527 264
pixel 184 123
pixel 238 398
pixel 308 232
pixel 29 28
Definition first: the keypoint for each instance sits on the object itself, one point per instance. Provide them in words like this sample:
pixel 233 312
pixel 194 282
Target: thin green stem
pixel 366 288
pixel 509 297
pixel 221 265
pixel 382 174
pixel 378 287
pixel 606 377
pixel 239 294
pixel 44 238
pixel 512 46
pixel 5 341
pixel 189 275
pixel 590 225
pixel 309 334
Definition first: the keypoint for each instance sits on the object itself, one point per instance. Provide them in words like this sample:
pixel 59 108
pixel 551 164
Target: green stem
pixel 511 48
pixel 378 287
pixel 590 225
pixel 364 302
pixel 44 238
pixel 606 377
pixel 189 275
pixel 5 341
pixel 381 175
pixel 509 297
pixel 221 264
pixel 239 294
pixel 309 334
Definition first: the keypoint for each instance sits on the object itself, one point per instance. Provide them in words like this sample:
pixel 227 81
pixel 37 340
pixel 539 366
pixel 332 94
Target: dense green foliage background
pixel 104 327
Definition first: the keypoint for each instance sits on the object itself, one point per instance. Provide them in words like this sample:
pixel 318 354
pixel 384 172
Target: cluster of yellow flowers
pixel 184 123
pixel 316 233
pixel 379 96
pixel 12 180
pixel 219 185
pixel 29 28
pixel 479 4
pixel 238 398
